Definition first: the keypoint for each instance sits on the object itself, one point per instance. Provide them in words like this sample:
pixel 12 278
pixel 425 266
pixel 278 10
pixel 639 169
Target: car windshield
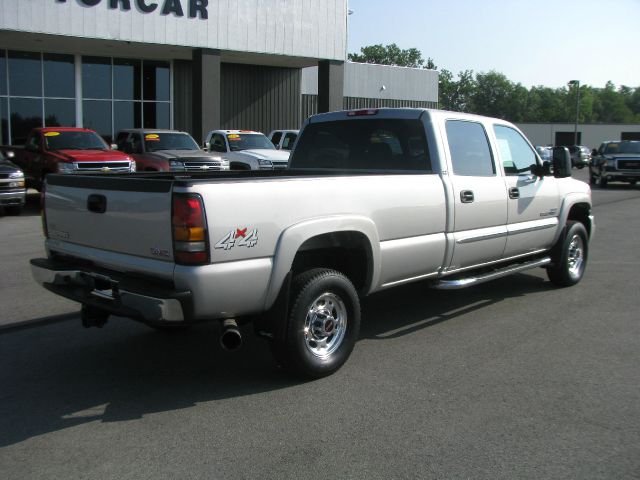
pixel 70 140
pixel 623 147
pixel 248 141
pixel 154 142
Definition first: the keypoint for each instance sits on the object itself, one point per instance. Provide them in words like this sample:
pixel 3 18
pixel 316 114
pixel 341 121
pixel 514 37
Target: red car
pixel 67 150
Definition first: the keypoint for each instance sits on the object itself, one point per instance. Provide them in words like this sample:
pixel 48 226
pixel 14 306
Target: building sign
pixel 194 8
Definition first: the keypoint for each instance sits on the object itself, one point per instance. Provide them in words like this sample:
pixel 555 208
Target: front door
pixel 534 202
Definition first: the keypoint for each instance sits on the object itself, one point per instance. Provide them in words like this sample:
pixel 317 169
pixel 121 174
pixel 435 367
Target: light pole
pixel 576 84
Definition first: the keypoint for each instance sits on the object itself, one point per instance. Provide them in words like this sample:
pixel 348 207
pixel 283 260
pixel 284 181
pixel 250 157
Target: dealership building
pixel 193 65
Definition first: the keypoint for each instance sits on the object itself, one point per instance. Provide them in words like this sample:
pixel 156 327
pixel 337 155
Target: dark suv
pixel 617 161
pixel 167 150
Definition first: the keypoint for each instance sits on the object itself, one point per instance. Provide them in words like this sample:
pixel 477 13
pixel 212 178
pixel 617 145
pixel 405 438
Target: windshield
pixel 66 140
pixel 623 147
pixel 154 142
pixel 244 141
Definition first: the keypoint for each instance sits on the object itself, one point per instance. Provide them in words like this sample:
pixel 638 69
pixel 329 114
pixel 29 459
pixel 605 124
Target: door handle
pixel 514 193
pixel 466 196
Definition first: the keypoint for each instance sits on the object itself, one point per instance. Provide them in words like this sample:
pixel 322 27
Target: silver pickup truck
pixel 373 199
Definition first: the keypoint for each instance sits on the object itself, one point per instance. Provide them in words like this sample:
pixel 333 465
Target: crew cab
pixel 246 150
pixel 167 150
pixel 373 199
pixel 615 161
pixel 12 187
pixel 67 150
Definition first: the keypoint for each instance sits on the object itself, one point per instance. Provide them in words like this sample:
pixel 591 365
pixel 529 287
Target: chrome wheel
pixel 325 325
pixel 575 257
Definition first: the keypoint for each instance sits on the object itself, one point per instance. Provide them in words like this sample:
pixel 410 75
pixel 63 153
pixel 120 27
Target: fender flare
pixel 293 237
pixel 568 202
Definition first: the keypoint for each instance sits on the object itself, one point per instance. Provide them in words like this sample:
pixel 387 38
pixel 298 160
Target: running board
pixel 503 272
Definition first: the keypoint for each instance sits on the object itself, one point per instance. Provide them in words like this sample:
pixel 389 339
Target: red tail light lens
pixel 190 245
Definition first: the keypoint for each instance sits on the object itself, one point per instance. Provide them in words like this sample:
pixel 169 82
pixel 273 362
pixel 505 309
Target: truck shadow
pixel 57 376
pixel 394 313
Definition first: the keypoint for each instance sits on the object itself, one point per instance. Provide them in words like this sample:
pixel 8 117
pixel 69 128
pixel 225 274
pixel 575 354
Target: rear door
pixel 480 201
pixel 534 202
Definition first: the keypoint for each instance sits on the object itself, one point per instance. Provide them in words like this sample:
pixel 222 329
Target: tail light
pixel 190 246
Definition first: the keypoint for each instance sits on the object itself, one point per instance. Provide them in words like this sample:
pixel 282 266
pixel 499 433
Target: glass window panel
pixel 25 74
pixel 26 113
pixel 4 123
pixel 126 79
pixel 156 80
pixel 96 115
pixel 127 115
pixel 59 75
pixel 516 154
pixel 3 73
pixel 469 148
pixel 59 113
pixel 157 115
pixel 96 77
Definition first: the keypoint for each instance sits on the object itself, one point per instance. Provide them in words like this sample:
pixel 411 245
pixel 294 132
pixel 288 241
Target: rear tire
pixel 570 256
pixel 323 324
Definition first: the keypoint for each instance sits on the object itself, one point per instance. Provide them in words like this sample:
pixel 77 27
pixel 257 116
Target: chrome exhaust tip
pixel 230 338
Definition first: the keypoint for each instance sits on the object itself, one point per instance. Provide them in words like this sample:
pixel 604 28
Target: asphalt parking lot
pixel 510 379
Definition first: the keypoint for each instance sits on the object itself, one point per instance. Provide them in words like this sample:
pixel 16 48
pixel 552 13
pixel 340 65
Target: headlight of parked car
pixel 134 166
pixel 16 175
pixel 66 167
pixel 176 165
pixel 265 163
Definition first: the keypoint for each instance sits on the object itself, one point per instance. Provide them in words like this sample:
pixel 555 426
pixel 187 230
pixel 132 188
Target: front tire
pixel 323 324
pixel 570 256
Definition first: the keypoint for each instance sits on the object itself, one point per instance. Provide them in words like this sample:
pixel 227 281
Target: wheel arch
pixel 346 243
pixel 576 207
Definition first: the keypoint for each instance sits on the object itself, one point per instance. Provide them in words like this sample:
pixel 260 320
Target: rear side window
pixel 363 144
pixel 469 149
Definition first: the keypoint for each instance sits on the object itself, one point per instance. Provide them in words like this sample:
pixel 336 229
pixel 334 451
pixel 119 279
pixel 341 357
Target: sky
pixel 532 42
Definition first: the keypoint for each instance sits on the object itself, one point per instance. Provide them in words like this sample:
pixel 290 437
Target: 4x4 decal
pixel 240 237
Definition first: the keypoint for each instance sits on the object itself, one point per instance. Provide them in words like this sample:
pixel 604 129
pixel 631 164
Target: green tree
pixel 389 55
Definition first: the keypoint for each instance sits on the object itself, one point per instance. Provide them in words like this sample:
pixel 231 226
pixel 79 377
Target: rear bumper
pixel 118 294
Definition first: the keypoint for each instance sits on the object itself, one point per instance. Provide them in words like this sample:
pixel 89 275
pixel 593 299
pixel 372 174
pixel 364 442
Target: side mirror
pixel 10 153
pixel 561 162
pixel 206 146
pixel 114 146
pixel 543 170
pixel 594 152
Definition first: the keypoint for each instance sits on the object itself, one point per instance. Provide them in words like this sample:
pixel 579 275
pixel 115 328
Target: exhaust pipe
pixel 231 338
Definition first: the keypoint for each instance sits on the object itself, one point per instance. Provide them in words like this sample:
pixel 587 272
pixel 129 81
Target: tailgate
pixel 119 214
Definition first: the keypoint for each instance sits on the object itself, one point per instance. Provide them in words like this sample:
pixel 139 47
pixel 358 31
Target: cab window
pixel 469 149
pixel 515 153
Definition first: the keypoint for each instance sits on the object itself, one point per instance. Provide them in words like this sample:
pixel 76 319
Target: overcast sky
pixel 541 42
